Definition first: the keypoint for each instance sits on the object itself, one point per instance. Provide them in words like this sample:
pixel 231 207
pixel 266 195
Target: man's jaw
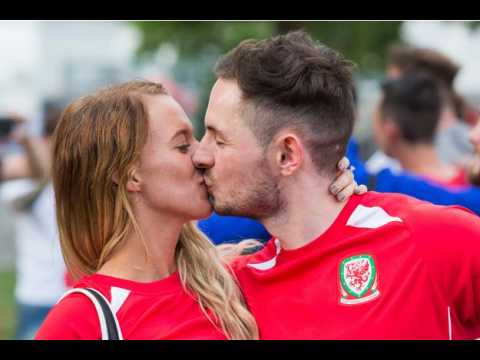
pixel 474 170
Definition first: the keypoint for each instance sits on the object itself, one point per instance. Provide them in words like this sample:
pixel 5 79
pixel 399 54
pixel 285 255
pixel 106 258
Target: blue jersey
pixel 410 184
pixel 232 229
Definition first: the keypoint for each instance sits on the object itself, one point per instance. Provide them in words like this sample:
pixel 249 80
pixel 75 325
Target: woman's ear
pixel 133 183
pixel 115 178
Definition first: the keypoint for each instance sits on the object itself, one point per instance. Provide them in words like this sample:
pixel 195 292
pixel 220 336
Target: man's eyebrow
pixel 214 129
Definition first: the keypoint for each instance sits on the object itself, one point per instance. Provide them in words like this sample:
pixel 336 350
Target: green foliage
pixel 364 42
pixel 199 43
pixel 473 24
pixel 195 37
pixel 7 304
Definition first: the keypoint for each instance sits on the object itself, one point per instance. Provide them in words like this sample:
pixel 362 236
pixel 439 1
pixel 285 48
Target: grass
pixel 7 304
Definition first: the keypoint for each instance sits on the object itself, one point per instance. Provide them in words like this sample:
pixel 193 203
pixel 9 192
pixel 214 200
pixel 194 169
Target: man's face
pixel 238 175
pixel 379 132
pixel 474 170
pixel 393 72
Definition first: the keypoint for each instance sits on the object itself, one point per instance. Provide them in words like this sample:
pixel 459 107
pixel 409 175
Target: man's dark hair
pixel 291 81
pixel 438 65
pixel 414 103
pixel 429 61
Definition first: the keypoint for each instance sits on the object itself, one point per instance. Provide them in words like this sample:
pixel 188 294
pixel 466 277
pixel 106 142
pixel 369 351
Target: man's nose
pixel 203 158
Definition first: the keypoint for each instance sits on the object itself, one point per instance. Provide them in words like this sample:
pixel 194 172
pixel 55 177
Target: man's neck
pixel 309 211
pixel 422 159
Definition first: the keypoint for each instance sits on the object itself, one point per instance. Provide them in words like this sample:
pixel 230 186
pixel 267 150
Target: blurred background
pixel 46 64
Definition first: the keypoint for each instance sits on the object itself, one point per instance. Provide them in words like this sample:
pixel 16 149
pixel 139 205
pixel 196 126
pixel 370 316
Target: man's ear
pixel 133 183
pixel 391 130
pixel 289 153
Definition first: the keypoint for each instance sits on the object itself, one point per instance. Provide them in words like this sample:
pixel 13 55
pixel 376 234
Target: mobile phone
pixel 7 124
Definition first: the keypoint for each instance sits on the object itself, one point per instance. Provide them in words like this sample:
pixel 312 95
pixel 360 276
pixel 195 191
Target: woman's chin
pixel 204 211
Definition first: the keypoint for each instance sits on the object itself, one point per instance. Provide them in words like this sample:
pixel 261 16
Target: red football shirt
pixel 389 267
pixel 148 311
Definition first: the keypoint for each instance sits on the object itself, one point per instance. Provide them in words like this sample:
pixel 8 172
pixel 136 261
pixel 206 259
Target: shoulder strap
pixel 109 327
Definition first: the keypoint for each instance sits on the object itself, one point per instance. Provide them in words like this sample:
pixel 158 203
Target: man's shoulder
pixel 426 221
pixel 412 209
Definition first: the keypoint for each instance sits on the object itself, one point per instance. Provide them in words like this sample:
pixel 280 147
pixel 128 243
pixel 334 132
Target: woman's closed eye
pixel 184 148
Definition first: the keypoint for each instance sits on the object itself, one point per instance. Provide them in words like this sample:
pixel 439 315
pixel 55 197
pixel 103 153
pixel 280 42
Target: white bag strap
pixel 109 326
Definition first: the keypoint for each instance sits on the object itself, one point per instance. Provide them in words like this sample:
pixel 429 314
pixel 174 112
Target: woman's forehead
pixel 166 116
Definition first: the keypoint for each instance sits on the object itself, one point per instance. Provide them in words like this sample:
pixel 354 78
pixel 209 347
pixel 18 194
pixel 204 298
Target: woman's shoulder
pixel 74 317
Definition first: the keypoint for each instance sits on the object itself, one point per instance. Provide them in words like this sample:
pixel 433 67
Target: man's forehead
pixel 224 90
pixel 225 104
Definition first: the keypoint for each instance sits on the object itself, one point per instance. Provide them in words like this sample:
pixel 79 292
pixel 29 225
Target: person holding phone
pixel 29 164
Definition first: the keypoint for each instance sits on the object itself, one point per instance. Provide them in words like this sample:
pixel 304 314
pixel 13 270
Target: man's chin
pixel 219 209
pixel 474 178
pixel 229 211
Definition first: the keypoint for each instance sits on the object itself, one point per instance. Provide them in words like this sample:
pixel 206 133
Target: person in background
pixel 474 165
pixel 29 163
pixel 405 126
pixel 457 115
pixel 40 270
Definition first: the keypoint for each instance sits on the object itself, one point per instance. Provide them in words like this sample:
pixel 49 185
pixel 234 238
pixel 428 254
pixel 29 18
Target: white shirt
pixel 379 161
pixel 39 262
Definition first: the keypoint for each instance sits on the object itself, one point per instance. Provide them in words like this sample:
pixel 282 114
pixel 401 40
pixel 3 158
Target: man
pixel 378 266
pixel 40 269
pixel 474 166
pixel 405 125
pixel 231 229
pixel 457 115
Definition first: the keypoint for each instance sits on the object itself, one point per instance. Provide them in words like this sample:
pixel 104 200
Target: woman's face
pixel 167 180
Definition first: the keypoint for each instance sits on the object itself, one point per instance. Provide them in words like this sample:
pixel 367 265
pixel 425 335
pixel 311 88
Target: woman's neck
pixel 151 258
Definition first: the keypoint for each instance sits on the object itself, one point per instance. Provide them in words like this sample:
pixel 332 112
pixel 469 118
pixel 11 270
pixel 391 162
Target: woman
pixel 126 195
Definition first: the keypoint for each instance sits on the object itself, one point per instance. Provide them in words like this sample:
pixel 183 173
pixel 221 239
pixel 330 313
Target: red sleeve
pixel 73 318
pixel 449 239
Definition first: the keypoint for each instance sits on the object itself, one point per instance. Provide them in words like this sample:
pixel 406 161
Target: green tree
pixel 199 43
pixel 362 41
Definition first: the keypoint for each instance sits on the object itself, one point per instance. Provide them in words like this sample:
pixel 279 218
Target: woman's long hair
pixel 99 138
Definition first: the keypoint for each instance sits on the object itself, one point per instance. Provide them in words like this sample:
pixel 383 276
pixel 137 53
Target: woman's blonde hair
pixel 98 138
